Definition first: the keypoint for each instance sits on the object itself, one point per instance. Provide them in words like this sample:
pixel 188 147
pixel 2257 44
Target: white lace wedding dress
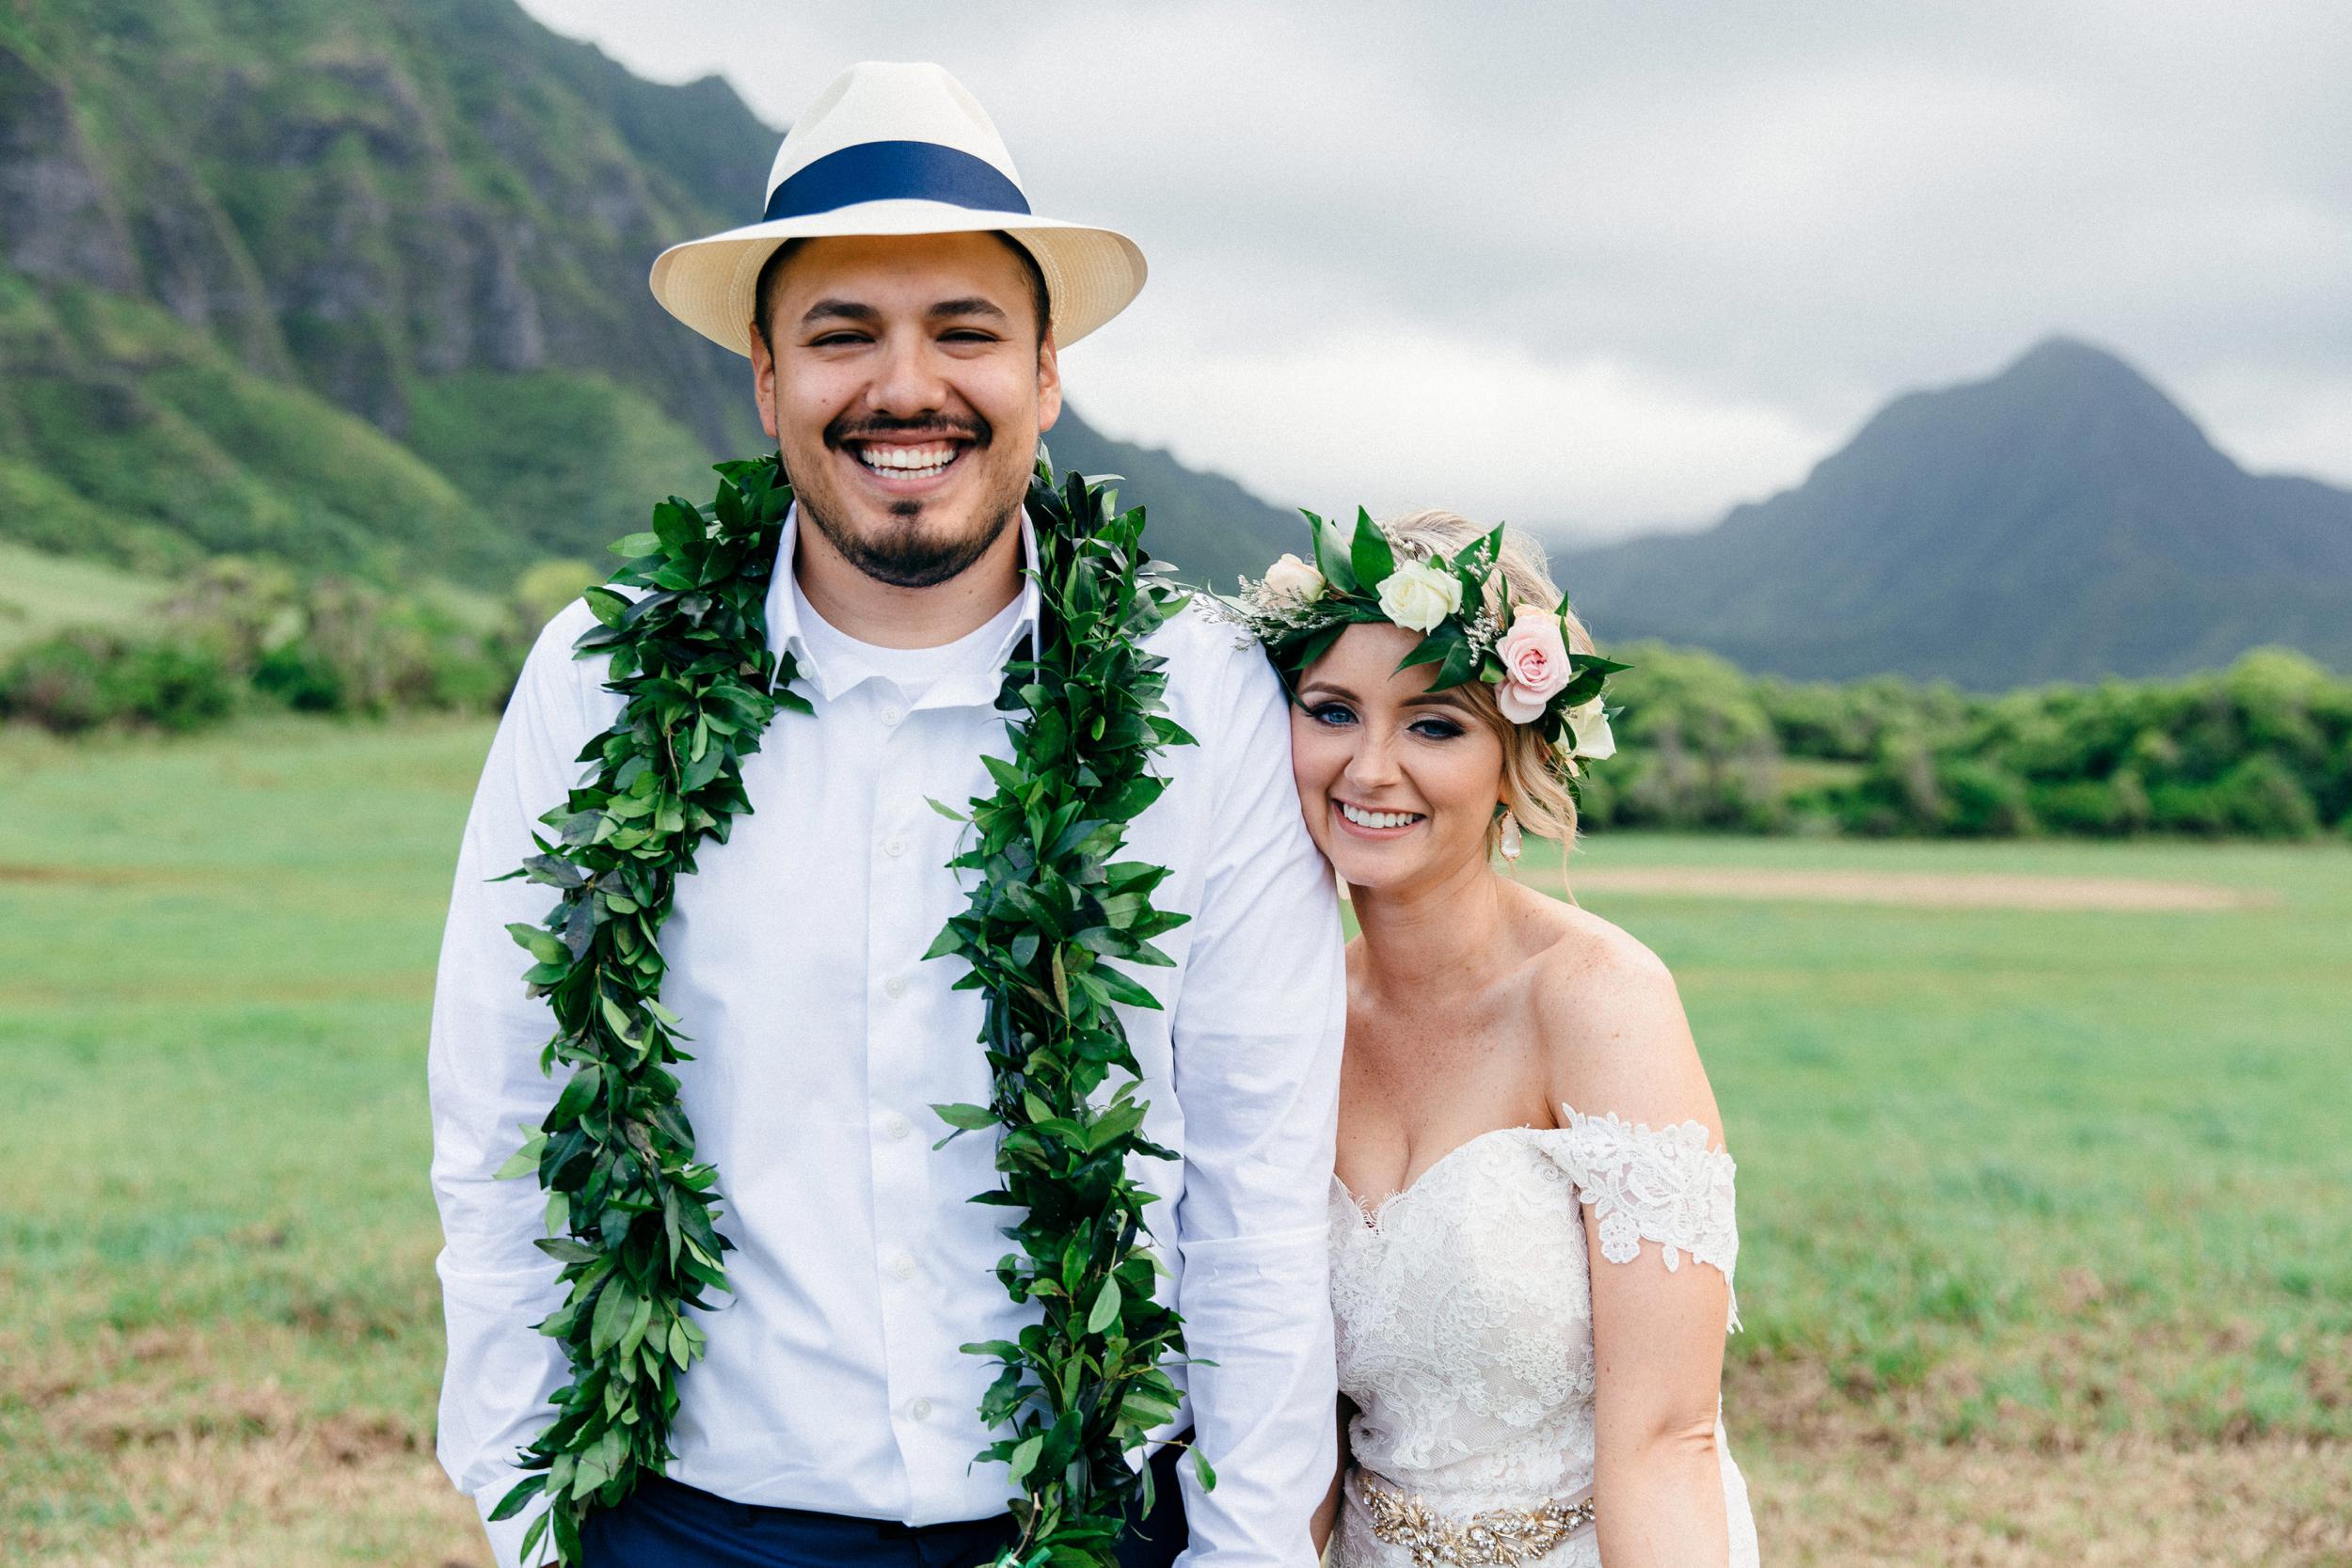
pixel 1464 1312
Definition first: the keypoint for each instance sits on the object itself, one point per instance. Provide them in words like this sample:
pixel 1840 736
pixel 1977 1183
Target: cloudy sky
pixel 1607 265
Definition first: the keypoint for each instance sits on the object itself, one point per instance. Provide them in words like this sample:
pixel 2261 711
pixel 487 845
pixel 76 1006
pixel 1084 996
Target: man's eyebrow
pixel 839 310
pixel 972 306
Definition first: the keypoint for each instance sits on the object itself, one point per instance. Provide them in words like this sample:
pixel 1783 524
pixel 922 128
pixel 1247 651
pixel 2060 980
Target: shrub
pixel 2262 796
pixel 1981 799
pixel 170 685
pixel 77 681
pixel 2185 808
pixel 56 683
pixel 2091 806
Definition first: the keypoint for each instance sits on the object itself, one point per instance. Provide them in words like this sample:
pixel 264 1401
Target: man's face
pixel 906 385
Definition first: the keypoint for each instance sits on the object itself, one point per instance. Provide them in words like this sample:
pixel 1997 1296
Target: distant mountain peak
pixel 2062 518
pixel 2071 368
pixel 2066 354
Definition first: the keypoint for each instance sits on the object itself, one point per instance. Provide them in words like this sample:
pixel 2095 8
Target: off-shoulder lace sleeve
pixel 1667 1185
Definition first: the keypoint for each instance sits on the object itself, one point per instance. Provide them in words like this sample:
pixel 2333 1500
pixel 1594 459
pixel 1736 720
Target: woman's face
pixel 1398 783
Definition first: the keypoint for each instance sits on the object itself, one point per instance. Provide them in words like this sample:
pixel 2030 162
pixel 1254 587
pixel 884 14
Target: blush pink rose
pixel 1534 665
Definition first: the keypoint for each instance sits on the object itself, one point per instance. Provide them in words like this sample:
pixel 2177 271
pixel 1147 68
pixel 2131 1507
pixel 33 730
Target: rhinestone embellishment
pixel 1497 1538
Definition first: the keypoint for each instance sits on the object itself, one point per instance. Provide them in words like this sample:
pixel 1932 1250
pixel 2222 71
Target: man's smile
pixel 902 463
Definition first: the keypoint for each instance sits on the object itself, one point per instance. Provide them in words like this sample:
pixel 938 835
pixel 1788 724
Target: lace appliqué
pixel 1667 1185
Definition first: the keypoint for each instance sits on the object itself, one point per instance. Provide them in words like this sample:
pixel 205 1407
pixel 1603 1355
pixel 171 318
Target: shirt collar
pixel 975 683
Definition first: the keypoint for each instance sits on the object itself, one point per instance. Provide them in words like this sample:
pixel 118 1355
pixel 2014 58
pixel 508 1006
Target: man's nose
pixel 907 381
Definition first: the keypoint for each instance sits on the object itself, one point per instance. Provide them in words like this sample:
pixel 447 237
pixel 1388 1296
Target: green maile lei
pixel 632 1215
pixel 1299 611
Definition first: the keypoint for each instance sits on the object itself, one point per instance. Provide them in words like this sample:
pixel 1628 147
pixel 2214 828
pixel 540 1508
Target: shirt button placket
pixel 897 1172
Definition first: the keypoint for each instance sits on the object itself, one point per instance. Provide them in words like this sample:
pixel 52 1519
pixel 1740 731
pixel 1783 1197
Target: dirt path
pixel 1954 889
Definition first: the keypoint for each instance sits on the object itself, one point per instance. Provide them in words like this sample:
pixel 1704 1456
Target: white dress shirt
pixel 822 1036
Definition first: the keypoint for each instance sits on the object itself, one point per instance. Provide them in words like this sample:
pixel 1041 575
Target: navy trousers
pixel 665 1524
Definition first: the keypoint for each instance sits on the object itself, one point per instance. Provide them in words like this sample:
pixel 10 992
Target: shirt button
pixel 904 1266
pixel 894 987
pixel 892 715
pixel 897 1127
pixel 920 1410
pixel 894 846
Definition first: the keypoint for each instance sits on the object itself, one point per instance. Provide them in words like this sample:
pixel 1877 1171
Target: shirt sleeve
pixel 487 1090
pixel 1257 1034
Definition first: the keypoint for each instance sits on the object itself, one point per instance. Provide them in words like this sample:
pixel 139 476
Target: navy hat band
pixel 894 171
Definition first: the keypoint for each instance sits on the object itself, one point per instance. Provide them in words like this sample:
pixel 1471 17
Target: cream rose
pixel 1417 597
pixel 1293 578
pixel 1590 726
pixel 1534 665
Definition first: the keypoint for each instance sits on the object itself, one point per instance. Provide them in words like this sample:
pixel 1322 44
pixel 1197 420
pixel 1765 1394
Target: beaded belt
pixel 1497 1536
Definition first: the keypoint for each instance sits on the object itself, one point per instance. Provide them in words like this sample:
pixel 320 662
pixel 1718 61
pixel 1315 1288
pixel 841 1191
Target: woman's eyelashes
pixel 1339 715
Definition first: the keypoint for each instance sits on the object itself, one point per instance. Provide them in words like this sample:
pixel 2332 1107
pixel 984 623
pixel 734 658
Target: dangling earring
pixel 1510 837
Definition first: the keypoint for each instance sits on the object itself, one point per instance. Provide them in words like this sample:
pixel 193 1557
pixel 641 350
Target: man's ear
pixel 1048 384
pixel 764 380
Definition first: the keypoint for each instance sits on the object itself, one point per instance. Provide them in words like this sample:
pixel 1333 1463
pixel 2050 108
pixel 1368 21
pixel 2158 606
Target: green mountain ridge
pixel 2062 520
pixel 362 286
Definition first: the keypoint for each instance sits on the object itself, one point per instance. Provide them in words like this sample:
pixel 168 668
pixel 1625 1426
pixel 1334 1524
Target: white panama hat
pixel 892 148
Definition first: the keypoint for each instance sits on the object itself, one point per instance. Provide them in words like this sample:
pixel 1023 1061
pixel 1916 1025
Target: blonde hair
pixel 1535 776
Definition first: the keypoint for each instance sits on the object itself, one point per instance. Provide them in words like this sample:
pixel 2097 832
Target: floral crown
pixel 1298 610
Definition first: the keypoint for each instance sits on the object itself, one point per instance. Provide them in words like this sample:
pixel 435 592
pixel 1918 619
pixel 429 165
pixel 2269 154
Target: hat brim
pixel 1090 274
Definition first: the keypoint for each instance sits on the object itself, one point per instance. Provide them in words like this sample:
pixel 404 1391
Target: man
pixel 902 310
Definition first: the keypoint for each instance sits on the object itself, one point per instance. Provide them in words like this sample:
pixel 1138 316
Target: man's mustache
pixel 875 427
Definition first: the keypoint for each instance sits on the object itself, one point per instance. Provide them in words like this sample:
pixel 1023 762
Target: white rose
pixel 1590 726
pixel 1417 597
pixel 1293 578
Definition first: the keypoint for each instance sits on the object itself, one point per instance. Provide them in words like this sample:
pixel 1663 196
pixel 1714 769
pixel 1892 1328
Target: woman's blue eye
pixel 1437 729
pixel 1332 713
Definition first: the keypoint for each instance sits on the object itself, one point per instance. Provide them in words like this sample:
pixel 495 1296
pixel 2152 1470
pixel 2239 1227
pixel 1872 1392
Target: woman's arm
pixel 1645 1150
pixel 1328 1512
pixel 1657 1483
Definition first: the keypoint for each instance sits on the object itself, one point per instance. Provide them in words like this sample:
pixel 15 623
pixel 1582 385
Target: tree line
pixel 2260 749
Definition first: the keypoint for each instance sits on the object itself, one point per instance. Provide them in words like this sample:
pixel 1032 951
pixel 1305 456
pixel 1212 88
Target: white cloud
pixel 1618 262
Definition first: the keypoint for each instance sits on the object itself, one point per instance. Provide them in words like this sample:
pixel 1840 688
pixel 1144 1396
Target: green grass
pixel 41 594
pixel 2012 1183
pixel 2038 1175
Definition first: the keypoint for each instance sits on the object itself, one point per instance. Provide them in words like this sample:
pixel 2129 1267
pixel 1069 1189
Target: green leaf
pixel 970 1118
pixel 610 1322
pixel 524 1160
pixel 1105 1310
pixel 1369 554
pixel 608 606
pixel 543 944
pixel 519 1497
pixel 1332 553
pixel 1200 1468
pixel 1025 1457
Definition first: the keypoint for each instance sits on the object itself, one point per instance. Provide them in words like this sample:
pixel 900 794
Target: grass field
pixel 2046 1213
pixel 41 594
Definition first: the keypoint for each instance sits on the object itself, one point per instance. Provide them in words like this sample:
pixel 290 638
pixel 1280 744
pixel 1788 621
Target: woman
pixel 1531 1221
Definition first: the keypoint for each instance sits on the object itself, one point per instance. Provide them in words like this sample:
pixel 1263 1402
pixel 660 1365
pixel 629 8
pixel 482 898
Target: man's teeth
pixel 1363 818
pixel 912 461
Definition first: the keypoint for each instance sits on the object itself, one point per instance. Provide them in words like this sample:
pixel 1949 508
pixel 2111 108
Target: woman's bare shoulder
pixel 1616 1035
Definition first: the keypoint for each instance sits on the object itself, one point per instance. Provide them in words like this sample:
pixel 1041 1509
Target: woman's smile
pixel 1366 823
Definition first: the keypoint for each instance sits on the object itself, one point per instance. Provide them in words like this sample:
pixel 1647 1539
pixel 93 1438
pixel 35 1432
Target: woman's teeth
pixel 1363 818
pixel 908 461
